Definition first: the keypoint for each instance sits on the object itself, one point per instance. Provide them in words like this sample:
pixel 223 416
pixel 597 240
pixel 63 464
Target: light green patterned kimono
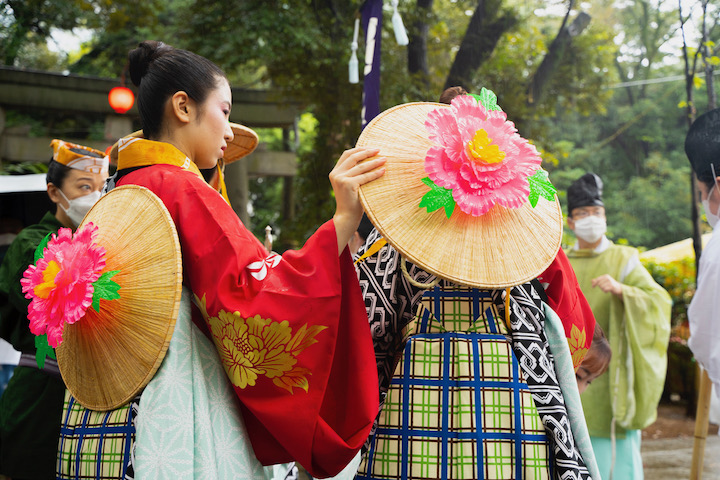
pixel 189 424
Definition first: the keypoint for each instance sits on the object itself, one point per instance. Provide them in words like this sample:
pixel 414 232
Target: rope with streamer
pixel 507 308
pixel 413 282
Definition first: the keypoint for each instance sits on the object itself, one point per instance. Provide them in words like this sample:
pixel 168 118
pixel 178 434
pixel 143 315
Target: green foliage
pixel 438 197
pixel 631 136
pixel 678 278
pixel 22 168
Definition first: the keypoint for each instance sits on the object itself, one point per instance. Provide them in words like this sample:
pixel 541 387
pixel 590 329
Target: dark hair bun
pixel 141 57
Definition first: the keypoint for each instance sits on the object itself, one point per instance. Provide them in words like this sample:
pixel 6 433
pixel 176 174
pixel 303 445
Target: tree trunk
pixel 482 35
pixel 554 56
pixel 417 48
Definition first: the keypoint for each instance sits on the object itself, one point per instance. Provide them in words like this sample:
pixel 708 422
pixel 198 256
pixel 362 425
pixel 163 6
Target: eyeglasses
pixel 585 214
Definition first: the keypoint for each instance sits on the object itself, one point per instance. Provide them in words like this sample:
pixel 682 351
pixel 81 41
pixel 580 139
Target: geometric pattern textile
pixel 531 347
pixel 458 408
pixel 456 401
pixel 189 423
pixel 95 445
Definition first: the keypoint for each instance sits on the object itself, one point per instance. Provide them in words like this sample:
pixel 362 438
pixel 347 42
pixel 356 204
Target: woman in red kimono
pixel 307 386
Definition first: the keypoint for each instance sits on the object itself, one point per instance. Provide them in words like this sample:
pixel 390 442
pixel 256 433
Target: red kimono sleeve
pixel 568 301
pixel 291 330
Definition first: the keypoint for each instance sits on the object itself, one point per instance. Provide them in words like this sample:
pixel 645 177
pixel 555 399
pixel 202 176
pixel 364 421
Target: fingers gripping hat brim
pixel 501 248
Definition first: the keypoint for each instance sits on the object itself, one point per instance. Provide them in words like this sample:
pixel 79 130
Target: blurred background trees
pixel 597 86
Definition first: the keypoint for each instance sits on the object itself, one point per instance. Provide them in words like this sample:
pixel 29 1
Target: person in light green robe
pixel 634 312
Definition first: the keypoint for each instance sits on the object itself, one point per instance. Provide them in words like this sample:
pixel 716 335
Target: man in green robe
pixel 31 406
pixel 634 312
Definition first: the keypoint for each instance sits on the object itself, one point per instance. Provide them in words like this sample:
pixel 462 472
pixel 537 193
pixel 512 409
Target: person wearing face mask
pixel 31 406
pixel 702 147
pixel 634 312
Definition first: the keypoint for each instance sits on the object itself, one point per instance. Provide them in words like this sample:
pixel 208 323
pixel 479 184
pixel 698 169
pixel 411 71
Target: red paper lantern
pixel 121 99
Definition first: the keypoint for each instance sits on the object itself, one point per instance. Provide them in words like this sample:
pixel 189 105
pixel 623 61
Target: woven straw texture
pixel 502 248
pixel 106 358
pixel 243 144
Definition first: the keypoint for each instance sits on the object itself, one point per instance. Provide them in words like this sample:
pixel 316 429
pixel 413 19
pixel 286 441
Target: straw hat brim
pixel 501 248
pixel 244 142
pixel 108 357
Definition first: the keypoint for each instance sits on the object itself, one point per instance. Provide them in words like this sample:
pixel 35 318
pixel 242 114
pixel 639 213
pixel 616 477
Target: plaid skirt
pixel 96 445
pixel 458 406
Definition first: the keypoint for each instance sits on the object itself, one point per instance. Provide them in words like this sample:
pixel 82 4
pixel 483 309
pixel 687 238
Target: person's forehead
pixel 82 176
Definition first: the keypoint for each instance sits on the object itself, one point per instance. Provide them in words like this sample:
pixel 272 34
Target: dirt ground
pixel 672 422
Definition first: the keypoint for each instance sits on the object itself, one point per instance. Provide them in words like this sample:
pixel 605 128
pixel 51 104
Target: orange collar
pixel 138 152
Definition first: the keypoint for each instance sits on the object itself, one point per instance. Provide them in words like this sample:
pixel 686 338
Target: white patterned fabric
pixel 565 372
pixel 189 424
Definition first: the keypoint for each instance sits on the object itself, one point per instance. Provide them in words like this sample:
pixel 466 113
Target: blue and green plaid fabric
pixel 457 406
pixel 95 445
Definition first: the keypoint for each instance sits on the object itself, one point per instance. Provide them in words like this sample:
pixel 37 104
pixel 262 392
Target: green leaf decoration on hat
pixel 437 197
pixel 43 350
pixel 540 186
pixel 105 288
pixel 487 99
pixel 41 247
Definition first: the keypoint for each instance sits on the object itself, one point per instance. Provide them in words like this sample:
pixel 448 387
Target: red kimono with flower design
pixel 565 297
pixel 291 331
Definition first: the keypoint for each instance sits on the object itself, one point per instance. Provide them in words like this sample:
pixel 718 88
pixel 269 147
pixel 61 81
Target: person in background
pixel 596 361
pixel 31 406
pixel 634 311
pixel 702 148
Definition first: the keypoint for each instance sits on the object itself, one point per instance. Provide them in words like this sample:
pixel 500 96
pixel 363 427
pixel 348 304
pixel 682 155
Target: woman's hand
pixel 346 178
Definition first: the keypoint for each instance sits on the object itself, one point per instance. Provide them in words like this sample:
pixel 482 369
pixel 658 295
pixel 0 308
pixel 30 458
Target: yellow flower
pixel 48 276
pixel 482 149
pixel 255 346
pixel 576 342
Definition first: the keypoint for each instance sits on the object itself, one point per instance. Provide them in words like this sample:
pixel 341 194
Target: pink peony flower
pixel 479 156
pixel 60 284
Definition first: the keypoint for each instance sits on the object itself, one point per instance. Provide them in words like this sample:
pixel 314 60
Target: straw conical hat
pixel 107 357
pixel 503 247
pixel 243 144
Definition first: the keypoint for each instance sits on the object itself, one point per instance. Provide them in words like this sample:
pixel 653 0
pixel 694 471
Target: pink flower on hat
pixel 60 284
pixel 479 155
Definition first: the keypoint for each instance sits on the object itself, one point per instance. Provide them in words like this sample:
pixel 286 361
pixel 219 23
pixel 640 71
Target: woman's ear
pixel 181 106
pixel 52 192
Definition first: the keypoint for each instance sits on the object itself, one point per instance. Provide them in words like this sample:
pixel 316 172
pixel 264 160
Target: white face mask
pixel 591 228
pixel 712 218
pixel 78 207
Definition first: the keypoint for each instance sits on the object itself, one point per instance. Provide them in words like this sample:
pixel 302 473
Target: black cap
pixel 702 145
pixel 586 191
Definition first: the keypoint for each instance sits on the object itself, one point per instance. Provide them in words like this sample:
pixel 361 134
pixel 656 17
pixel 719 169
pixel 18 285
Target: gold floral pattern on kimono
pixel 254 346
pixel 576 342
